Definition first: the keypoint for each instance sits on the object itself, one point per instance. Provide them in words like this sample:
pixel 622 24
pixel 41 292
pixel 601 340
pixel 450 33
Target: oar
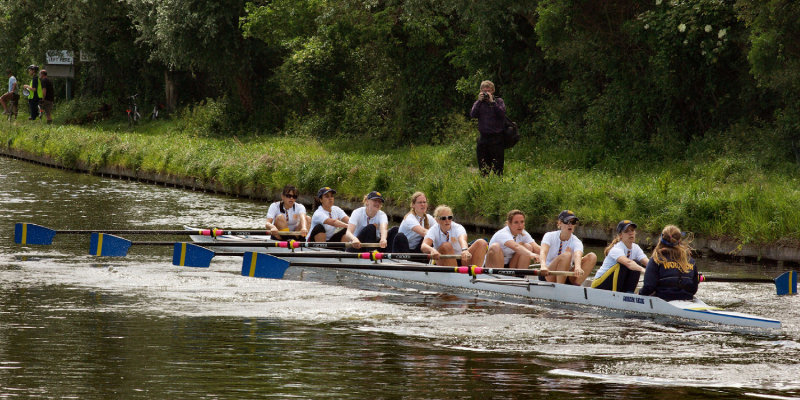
pixel 262 265
pixel 785 284
pixel 26 233
pixel 103 244
pixel 192 255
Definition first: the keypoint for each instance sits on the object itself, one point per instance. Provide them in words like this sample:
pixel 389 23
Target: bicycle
pixel 133 111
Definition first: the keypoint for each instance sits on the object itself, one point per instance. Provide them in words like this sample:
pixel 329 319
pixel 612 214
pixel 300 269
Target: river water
pixel 77 326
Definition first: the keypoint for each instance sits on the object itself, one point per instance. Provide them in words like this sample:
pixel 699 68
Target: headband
pixel 667 243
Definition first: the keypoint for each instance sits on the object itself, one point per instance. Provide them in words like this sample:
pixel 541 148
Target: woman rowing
pixel 329 222
pixel 369 224
pixel 449 237
pixel 671 273
pixel 512 246
pixel 414 227
pixel 624 261
pixel 561 250
pixel 287 215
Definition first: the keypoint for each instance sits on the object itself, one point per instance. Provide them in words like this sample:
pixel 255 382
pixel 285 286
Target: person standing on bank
pixel 10 96
pixel 491 113
pixel 35 94
pixel 48 96
pixel 671 273
pixel 624 261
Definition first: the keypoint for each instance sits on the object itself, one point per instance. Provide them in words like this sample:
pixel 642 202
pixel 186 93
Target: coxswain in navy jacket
pixel 669 281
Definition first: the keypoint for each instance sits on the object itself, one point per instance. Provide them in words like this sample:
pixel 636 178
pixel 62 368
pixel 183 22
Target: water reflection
pixel 73 325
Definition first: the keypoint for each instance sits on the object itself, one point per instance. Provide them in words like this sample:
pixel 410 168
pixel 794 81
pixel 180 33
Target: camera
pixel 486 96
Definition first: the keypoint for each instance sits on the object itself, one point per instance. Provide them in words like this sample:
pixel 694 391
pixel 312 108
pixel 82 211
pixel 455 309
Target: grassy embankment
pixel 716 190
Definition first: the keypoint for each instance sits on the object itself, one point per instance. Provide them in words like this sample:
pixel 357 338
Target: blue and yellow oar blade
pixel 786 283
pixel 191 255
pixel 261 265
pixel 103 244
pixel 25 233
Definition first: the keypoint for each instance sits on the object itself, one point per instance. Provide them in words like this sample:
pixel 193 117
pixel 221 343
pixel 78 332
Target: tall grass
pixel 714 194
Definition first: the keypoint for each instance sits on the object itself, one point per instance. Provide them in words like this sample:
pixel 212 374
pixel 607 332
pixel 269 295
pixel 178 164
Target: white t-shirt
pixel 504 235
pixel 407 228
pixel 292 215
pixel 439 237
pixel 360 219
pixel 635 253
pixel 554 240
pixel 319 217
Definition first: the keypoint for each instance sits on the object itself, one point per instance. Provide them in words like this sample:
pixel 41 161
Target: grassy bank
pixel 713 191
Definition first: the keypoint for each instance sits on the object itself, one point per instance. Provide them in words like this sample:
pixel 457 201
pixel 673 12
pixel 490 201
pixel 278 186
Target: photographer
pixel 490 112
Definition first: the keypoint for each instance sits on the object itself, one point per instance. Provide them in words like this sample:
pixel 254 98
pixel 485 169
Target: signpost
pixel 60 64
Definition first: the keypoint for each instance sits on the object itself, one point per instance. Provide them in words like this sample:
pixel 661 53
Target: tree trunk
pixel 169 91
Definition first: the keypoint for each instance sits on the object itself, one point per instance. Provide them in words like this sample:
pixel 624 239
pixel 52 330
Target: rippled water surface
pixel 77 326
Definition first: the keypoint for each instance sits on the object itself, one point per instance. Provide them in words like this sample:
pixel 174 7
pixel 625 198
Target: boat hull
pixel 532 288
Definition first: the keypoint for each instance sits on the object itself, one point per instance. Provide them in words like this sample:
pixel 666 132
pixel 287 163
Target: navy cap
pixel 323 191
pixel 624 224
pixel 567 216
pixel 374 196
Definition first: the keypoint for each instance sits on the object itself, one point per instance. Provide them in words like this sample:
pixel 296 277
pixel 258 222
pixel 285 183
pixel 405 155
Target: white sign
pixel 59 57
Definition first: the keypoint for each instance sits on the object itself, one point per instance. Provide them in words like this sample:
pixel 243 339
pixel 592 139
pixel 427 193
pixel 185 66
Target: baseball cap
pixel 324 190
pixel 624 224
pixel 567 216
pixel 374 196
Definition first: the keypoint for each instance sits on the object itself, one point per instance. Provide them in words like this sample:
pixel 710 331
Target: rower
pixel 561 250
pixel 449 237
pixel 671 273
pixel 512 246
pixel 369 223
pixel 329 222
pixel 287 215
pixel 414 226
pixel 624 261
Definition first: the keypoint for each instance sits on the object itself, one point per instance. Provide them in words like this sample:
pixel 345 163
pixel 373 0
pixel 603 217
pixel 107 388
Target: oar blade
pixel 25 233
pixel 105 245
pixel 262 265
pixel 786 283
pixel 191 255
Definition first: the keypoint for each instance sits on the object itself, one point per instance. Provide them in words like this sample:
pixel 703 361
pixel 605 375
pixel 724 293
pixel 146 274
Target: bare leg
pixel 478 251
pixel 560 263
pixel 587 265
pixel 494 258
pixel 447 248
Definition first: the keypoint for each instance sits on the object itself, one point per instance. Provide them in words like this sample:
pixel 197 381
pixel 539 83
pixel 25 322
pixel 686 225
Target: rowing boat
pixel 531 288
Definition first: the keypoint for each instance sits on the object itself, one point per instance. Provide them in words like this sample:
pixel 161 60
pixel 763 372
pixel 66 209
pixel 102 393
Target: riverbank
pixel 733 206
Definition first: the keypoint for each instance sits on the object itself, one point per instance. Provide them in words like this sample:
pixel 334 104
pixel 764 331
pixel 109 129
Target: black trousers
pixel 400 245
pixel 620 276
pixel 491 157
pixel 33 107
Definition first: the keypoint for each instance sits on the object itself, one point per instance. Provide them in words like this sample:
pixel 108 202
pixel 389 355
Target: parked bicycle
pixel 133 111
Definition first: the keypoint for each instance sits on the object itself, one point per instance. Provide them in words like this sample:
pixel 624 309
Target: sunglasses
pixel 291 196
pixel 446 218
pixel 571 222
